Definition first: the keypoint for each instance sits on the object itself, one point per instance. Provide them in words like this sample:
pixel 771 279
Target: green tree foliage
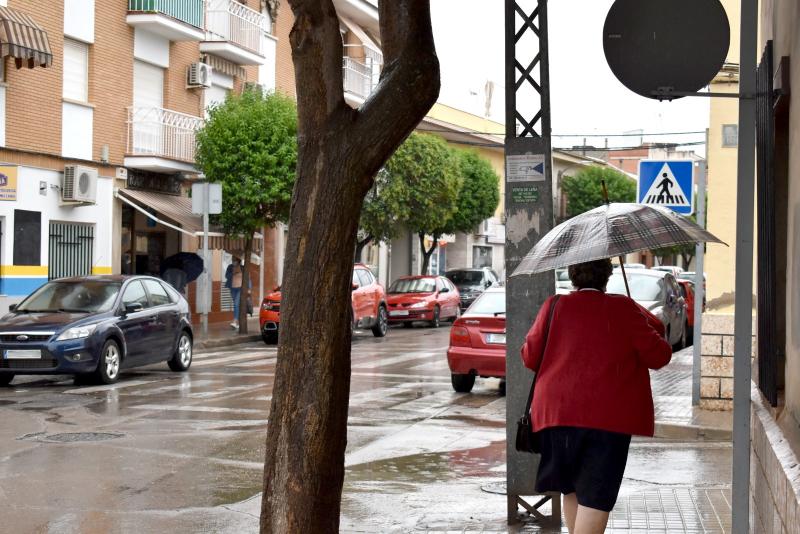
pixel 249 145
pixel 585 192
pixel 479 194
pixel 379 222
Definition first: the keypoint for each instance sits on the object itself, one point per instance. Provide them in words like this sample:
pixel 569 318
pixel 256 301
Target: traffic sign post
pixel 669 184
pixel 206 200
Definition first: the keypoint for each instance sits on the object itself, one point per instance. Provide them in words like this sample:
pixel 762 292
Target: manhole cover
pixel 498 488
pixel 72 437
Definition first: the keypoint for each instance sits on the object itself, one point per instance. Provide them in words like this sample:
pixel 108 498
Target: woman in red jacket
pixel 592 392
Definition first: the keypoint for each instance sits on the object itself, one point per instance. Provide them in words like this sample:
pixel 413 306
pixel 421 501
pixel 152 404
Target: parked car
pixel 635 266
pixel 97 326
pixel 369 308
pixel 478 341
pixel 674 270
pixel 687 290
pixel 471 283
pixel 423 298
pixel 563 283
pixel 658 292
pixel 691 276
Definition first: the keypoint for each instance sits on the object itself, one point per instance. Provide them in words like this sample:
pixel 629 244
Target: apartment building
pixel 99 105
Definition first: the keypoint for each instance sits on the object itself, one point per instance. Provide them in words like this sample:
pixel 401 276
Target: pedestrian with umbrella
pixel 592 353
pixel 180 269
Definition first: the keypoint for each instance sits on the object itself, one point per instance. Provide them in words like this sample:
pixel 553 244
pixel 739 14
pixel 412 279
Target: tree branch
pixel 317 56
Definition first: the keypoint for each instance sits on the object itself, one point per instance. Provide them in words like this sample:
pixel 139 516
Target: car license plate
pixel 496 339
pixel 398 313
pixel 23 355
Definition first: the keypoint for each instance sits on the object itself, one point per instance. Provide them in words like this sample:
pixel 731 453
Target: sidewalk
pixel 222 335
pixel 676 418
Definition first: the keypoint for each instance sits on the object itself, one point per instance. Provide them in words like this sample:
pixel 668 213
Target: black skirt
pixel 584 461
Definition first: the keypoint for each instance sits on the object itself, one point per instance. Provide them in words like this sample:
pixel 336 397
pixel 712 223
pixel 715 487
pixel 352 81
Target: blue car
pixel 95 326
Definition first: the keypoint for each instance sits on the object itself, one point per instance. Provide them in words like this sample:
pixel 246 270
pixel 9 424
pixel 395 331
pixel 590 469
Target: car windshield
pixel 413 285
pixel 465 278
pixel 489 303
pixel 643 288
pixel 76 297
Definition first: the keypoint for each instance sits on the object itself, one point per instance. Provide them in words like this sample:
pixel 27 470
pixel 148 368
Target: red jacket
pixel 595 368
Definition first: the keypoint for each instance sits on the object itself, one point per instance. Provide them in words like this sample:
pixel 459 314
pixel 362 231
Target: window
pixel 76 71
pixel 364 276
pixel 730 135
pixel 481 257
pixel 134 294
pixel 356 281
pixel 158 295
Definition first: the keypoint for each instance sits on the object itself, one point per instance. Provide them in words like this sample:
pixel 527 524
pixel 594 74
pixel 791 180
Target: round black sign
pixel 664 46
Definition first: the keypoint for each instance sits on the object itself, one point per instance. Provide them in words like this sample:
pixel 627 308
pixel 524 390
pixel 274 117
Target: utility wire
pixel 468 131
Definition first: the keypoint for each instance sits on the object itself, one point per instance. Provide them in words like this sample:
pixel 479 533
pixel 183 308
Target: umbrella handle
pixel 622 266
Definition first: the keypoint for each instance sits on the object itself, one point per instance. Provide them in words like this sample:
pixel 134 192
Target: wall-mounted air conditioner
pixel 79 184
pixel 198 75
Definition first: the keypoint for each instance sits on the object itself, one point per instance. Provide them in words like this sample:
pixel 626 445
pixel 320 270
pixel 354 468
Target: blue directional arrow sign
pixel 669 184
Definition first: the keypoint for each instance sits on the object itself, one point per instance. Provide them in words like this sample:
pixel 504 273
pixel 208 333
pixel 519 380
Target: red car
pixel 368 301
pixel 423 298
pixel 478 341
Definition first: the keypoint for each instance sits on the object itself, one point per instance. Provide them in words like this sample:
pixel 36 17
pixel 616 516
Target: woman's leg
pixel 590 521
pixel 570 510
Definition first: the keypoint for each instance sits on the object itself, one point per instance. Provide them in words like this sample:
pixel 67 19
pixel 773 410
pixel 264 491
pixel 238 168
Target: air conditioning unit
pixel 79 185
pixel 198 75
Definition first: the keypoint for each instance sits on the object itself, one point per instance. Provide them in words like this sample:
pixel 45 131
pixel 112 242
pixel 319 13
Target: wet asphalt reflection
pixel 161 451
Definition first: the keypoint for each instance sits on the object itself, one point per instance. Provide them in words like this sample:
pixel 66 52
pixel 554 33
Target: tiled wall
pixel 716 369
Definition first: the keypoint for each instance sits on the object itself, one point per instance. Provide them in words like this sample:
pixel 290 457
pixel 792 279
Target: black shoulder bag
pixel 527 439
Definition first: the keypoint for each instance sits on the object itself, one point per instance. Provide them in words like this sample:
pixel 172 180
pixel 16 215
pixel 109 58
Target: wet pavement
pixel 161 451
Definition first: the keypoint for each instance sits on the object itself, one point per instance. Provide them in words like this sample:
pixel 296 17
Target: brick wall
pixel 774 471
pixel 716 368
pixel 284 69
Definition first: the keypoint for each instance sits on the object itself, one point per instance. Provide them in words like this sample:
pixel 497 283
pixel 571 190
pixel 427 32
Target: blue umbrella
pixel 188 262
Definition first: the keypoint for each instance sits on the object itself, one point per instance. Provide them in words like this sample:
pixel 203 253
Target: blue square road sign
pixel 669 184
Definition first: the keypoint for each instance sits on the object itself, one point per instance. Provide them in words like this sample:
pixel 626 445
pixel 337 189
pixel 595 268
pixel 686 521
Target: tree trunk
pixel 427 253
pixel 244 296
pixel 360 247
pixel 340 150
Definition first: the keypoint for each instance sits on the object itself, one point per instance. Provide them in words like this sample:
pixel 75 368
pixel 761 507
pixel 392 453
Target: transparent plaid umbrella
pixel 610 231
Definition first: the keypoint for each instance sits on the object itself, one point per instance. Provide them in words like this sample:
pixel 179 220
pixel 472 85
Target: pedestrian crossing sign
pixel 669 184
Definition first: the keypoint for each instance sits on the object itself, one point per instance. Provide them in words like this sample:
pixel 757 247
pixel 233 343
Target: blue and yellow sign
pixel 8 182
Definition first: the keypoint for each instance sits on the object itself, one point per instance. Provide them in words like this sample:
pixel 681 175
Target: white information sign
pixel 214 202
pixel 526 168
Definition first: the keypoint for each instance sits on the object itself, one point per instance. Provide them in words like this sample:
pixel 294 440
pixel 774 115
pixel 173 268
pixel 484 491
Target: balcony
pixel 235 32
pixel 176 20
pixel 361 70
pixel 161 140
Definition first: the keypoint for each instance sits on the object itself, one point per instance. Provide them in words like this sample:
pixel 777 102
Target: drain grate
pixel 73 437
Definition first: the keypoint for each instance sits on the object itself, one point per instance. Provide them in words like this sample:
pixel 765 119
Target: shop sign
pixel 154 182
pixel 8 182
pixel 525 195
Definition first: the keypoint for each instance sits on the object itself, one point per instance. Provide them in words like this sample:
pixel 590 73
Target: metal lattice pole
pixel 529 215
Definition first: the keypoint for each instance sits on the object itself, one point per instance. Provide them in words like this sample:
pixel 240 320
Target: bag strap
pixel 546 336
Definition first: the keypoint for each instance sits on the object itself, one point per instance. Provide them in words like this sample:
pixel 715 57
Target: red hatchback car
pixel 423 298
pixel 368 301
pixel 478 341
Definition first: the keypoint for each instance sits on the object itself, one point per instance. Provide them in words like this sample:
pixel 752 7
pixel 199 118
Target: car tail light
pixel 459 336
pixel 266 305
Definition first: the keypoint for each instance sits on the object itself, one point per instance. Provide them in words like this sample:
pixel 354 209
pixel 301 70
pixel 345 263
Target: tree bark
pixel 427 253
pixel 244 296
pixel 339 152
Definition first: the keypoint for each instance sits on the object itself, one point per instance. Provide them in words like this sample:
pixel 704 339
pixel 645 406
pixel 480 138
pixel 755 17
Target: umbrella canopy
pixel 188 262
pixel 609 231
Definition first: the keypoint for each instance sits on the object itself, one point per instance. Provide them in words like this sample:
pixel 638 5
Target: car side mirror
pixel 353 287
pixel 488 283
pixel 12 307
pixel 133 307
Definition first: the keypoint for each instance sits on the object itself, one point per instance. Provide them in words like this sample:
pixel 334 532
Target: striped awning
pixel 23 39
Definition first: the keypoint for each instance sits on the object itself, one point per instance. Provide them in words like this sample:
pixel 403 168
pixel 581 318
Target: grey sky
pixel 586 97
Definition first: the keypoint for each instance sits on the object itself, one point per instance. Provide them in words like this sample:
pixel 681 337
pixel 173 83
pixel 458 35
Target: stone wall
pixel 774 472
pixel 716 362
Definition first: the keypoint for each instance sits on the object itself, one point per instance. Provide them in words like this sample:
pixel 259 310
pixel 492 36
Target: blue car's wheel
pixel 108 367
pixel 182 358
pixel 6 378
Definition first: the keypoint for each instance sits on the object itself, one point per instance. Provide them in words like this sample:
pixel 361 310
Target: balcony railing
pixel 361 69
pixel 189 11
pixel 162 133
pixel 231 21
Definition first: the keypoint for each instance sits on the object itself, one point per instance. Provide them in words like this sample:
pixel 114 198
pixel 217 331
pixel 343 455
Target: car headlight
pixel 419 305
pixel 78 332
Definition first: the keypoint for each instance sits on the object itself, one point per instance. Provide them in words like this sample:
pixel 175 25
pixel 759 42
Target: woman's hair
pixel 591 275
